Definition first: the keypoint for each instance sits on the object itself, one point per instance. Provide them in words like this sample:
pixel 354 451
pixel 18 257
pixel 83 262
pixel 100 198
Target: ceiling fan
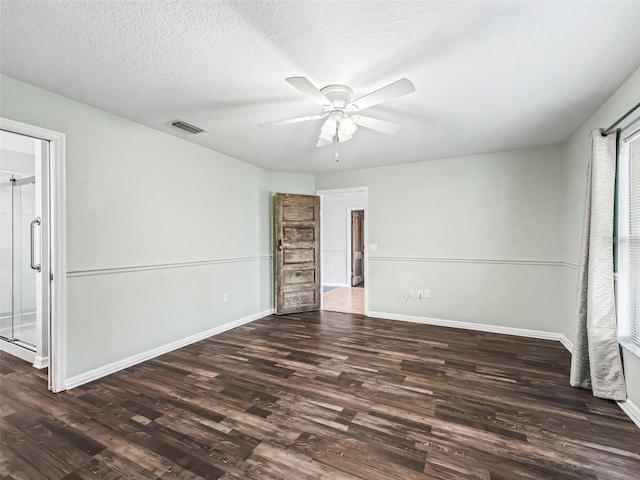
pixel 342 113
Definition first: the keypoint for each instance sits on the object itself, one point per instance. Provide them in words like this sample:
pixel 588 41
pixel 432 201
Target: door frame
pixel 363 190
pixel 285 246
pixel 58 261
pixel 350 242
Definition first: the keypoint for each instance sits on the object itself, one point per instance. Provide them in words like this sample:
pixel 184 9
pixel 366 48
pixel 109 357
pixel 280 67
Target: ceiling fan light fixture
pixel 327 132
pixel 347 128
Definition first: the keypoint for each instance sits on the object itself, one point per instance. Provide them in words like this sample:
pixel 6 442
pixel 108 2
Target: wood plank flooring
pixel 322 395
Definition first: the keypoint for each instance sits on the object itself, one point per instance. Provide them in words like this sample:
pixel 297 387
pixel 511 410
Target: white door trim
pixel 58 313
pixel 365 207
pixel 43 286
pixel 349 243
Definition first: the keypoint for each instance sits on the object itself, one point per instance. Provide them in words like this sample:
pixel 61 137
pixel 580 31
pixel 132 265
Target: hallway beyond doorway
pixel 344 300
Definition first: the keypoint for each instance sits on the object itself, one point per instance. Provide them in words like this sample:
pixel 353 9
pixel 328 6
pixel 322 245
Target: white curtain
pixel 596 362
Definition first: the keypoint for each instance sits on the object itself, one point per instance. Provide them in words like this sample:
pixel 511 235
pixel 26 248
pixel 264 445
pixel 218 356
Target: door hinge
pixel 51 277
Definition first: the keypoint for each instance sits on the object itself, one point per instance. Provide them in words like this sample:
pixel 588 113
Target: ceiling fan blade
pixel 310 90
pixel 393 90
pixel 292 120
pixel 374 124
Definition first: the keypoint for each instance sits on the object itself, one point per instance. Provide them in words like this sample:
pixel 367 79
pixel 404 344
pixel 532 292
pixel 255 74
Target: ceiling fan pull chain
pixel 337 158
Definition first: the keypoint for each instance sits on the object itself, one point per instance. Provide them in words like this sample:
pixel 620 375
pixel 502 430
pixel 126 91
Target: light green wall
pixel 495 238
pixel 480 232
pixel 137 197
pixel 574 174
pixel 300 183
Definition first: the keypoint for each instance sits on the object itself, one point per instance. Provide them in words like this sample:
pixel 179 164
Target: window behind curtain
pixel 629 243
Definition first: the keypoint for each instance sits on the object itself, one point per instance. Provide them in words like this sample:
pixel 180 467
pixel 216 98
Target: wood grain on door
pixel 297 252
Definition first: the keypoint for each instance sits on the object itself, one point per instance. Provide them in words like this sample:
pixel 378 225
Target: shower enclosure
pixel 31 207
pixel 24 247
pixel 18 244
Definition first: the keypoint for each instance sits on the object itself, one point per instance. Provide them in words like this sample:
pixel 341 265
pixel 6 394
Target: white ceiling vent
pixel 187 127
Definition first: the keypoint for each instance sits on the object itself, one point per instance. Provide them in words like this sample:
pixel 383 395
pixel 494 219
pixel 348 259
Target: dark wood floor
pixel 322 395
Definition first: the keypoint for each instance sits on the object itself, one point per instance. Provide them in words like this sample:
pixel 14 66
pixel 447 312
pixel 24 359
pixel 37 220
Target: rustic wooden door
pixel 297 252
pixel 357 247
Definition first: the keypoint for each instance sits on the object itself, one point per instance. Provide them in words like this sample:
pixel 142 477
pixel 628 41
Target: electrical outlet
pixel 225 298
pixel 427 294
pixel 411 293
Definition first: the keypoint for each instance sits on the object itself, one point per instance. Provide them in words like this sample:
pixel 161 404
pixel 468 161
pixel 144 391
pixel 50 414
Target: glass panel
pixel 18 207
pixel 6 261
pixel 24 286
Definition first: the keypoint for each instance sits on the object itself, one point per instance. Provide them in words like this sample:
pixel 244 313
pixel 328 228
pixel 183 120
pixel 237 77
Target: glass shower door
pixel 18 302
pixel 24 284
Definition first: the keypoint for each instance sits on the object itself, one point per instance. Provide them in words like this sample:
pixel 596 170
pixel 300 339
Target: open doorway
pixel 32 247
pixel 357 248
pixel 344 257
pixel 24 247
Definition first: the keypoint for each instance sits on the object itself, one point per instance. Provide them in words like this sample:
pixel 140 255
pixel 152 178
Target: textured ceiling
pixel 489 76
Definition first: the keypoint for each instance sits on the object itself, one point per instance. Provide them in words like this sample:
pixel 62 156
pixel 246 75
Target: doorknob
pixel 35 222
pixel 279 244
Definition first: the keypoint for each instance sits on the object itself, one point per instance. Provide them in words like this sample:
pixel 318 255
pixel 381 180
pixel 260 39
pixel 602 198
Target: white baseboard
pixel 114 367
pixel 632 411
pixel 18 351
pixel 41 362
pixel 568 344
pixel 520 332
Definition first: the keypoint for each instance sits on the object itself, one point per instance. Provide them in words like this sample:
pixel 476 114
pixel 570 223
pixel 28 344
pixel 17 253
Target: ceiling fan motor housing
pixel 339 95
